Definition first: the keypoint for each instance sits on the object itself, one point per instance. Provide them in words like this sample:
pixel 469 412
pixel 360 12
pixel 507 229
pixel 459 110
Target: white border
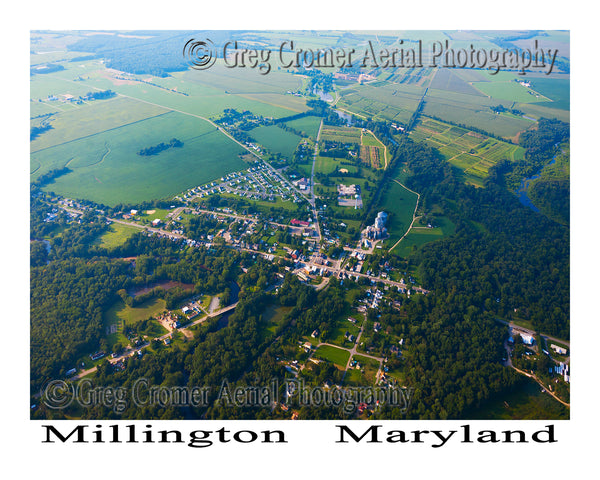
pixel 311 451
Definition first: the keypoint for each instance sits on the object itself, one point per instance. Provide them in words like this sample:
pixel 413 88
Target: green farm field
pixel 419 235
pixel 276 140
pixel 189 91
pixel 509 91
pixel 107 169
pixel 94 117
pixel 399 203
pixel 392 102
pixel 307 125
pixel 341 134
pixel 473 111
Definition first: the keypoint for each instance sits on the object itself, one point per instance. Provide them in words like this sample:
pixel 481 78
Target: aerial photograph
pixel 299 225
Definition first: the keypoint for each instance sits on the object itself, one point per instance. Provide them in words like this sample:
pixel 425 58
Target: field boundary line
pixel 98 133
pixel 414 215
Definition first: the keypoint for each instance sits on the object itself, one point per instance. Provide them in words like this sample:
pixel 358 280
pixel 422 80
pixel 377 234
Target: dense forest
pixel 541 145
pixel 154 53
pixel 504 259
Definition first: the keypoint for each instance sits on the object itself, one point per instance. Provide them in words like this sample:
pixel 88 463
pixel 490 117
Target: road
pixel 334 270
pixel 544 387
pixel 533 333
pixel 353 352
pixel 508 361
pixel 312 200
pixel 133 351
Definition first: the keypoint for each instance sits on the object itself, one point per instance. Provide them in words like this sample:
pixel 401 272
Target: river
pixel 326 97
pixel 344 116
pixel 526 182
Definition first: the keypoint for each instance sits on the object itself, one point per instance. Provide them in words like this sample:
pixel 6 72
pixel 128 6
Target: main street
pixel 335 269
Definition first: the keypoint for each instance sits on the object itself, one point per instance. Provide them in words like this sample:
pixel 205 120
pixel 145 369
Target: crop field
pixel 556 89
pixel 341 134
pixel 446 79
pixel 371 156
pixel 471 152
pixel 509 91
pixel 384 102
pixel 94 117
pixel 107 169
pixel 276 140
pixel 307 125
pixel 183 92
pixel 473 111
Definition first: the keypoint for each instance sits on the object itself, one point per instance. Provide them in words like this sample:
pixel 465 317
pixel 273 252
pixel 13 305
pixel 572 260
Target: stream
pixel 521 192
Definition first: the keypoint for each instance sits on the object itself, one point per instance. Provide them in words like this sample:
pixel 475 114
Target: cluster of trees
pixel 541 145
pixel 501 108
pixel 552 197
pixel 156 149
pixel 102 95
pixel 47 68
pixel 49 177
pixel 37 131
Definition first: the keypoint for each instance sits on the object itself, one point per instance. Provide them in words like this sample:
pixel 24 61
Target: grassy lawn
pixel 117 235
pixel 333 354
pixel 399 204
pixel 365 375
pixel 419 235
pixel 121 314
pixel 337 334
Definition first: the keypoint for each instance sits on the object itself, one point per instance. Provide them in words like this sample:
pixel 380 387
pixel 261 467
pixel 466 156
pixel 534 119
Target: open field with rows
pixel 471 152
pixel 341 134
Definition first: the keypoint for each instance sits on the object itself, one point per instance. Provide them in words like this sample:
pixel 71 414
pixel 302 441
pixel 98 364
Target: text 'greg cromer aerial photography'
pixel 258 224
